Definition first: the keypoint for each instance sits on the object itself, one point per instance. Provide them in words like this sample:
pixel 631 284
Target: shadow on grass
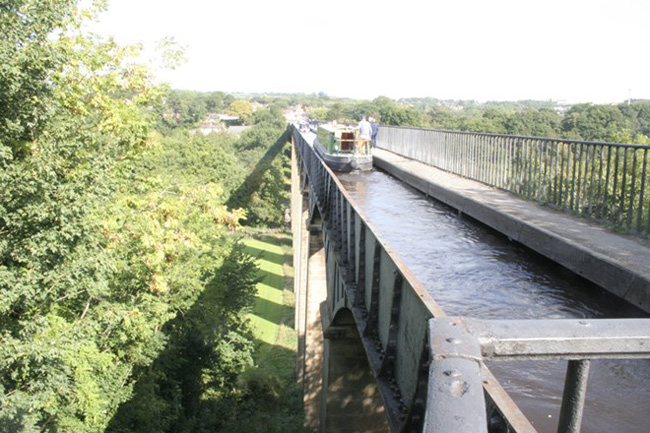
pixel 281 359
pixel 278 259
pixel 282 238
pixel 273 312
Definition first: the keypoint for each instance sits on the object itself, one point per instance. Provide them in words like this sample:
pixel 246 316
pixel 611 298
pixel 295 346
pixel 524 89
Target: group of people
pixel 367 135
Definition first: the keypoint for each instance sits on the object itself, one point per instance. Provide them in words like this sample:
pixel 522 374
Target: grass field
pixel 278 403
pixel 273 315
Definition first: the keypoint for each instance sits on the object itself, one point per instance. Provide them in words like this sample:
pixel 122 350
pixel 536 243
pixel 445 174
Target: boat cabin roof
pixel 336 128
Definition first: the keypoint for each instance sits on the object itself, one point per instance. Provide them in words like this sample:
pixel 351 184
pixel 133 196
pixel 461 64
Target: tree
pixel 28 61
pixel 272 116
pixel 535 123
pixel 91 265
pixel 594 122
pixel 335 112
pixel 215 101
pixel 263 152
pixel 241 109
pixel 638 113
pixel 400 116
pixel 443 118
pixel 319 114
pixel 356 110
pixel 184 108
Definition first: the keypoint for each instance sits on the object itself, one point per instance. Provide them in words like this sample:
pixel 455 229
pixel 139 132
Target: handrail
pixel 606 182
pixel 488 134
pixel 508 340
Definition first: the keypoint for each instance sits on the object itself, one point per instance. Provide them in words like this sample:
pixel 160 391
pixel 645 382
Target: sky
pixel 563 50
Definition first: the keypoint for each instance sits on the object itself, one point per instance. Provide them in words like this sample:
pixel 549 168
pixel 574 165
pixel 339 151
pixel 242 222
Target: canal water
pixel 471 270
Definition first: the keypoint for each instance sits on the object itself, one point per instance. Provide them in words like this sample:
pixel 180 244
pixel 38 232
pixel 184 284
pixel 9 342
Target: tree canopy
pixel 111 233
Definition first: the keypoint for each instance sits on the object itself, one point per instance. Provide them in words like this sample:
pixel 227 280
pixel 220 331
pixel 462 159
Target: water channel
pixel 471 270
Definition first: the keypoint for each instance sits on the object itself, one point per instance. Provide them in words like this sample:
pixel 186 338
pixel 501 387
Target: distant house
pixel 213 117
pixel 257 105
pixel 216 122
pixel 208 128
pixel 227 119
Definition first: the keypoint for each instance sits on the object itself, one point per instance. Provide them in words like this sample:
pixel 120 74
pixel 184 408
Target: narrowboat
pixel 341 150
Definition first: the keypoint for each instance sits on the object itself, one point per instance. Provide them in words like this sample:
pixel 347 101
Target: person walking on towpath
pixel 374 128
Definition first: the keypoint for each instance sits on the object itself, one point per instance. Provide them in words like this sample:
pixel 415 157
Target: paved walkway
pixel 618 263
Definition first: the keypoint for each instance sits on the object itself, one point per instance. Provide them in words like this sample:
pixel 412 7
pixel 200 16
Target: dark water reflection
pixel 473 271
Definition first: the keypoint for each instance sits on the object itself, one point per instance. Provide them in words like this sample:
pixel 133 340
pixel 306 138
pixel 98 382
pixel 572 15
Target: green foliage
pixel 266 404
pixel 208 379
pixel 192 159
pixel 241 109
pixel 27 61
pixel 335 112
pixel 272 117
pixel 263 150
pixel 319 114
pixel 491 121
pixel 638 115
pixel 594 122
pixel 107 234
pixel 192 383
pixel 534 123
pixel 627 123
pixel 442 118
pixel 354 112
pixel 400 116
pixel 185 109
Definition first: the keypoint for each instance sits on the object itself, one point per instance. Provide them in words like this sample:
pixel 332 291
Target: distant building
pixel 562 107
pixel 216 122
pixel 258 106
pixel 226 118
pixel 207 128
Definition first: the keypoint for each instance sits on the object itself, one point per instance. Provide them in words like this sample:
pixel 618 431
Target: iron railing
pixel 602 181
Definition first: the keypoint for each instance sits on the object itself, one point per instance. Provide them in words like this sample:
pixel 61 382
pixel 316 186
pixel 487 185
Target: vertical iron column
pixel 573 399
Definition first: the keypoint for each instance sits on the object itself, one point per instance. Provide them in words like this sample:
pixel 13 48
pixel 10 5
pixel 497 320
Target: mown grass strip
pixel 273 314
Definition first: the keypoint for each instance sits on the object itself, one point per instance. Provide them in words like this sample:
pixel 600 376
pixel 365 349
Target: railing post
pixel 455 399
pixel 573 399
pixel 639 218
